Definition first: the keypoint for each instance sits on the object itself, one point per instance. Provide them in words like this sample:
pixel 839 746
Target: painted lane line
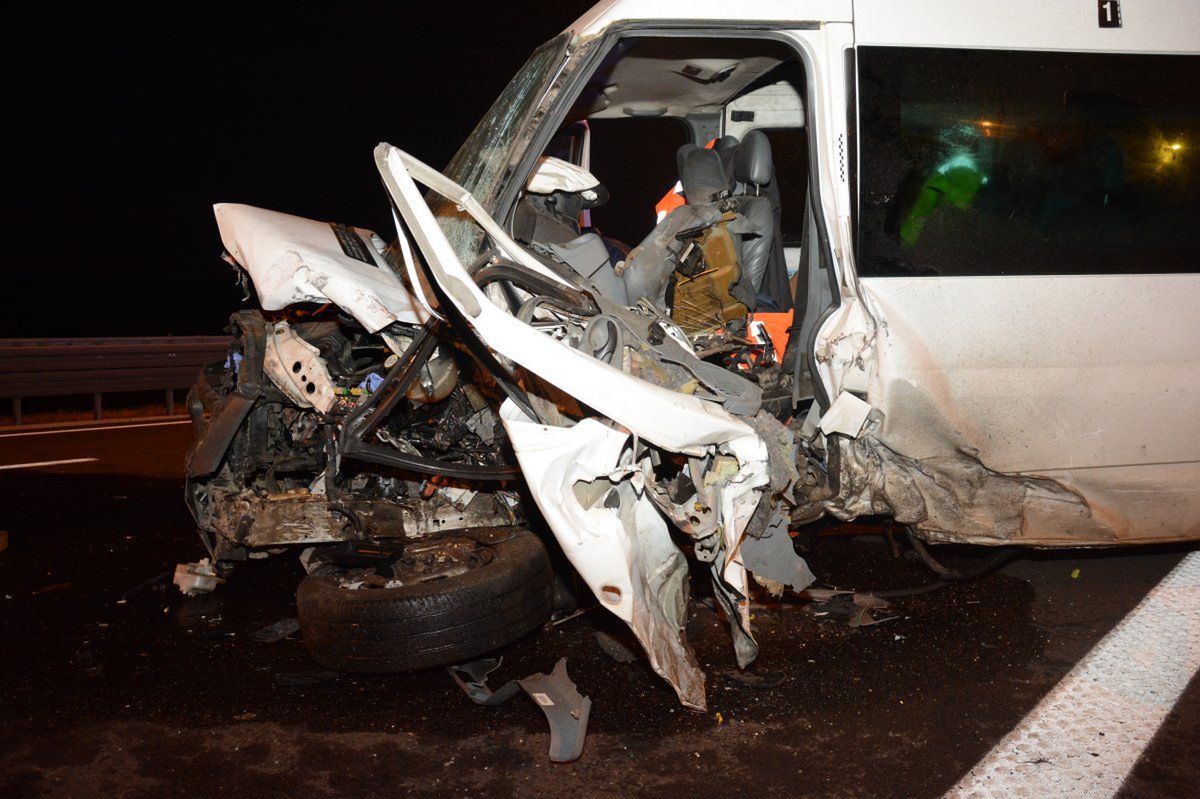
pixel 93 429
pixel 1085 736
pixel 47 463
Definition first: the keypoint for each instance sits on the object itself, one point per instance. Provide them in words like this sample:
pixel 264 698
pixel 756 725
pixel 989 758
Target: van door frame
pixel 807 40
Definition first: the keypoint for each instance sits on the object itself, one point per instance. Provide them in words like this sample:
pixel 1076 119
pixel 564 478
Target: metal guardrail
pixel 46 367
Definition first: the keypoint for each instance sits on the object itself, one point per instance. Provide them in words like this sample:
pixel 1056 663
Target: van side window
pixel 653 142
pixel 988 162
pixel 789 148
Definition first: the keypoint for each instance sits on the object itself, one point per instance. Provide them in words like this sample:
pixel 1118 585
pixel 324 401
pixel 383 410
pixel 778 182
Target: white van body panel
pixel 1148 26
pixel 605 14
pixel 1089 380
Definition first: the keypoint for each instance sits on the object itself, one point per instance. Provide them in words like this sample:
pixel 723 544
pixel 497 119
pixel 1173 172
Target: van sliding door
pixel 1029 233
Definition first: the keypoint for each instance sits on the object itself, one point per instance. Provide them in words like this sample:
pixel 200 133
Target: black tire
pixel 381 630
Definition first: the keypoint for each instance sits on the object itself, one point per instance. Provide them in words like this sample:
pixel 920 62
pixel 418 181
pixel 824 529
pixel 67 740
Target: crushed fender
pixel 953 498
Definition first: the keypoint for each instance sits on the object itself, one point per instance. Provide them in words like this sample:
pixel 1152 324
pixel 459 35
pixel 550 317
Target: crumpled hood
pixel 291 259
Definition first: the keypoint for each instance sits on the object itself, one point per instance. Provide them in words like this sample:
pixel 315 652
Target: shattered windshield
pixel 480 165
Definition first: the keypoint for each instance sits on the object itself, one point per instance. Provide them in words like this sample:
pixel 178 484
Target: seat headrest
pixel 753 163
pixel 681 155
pixel 727 147
pixel 702 174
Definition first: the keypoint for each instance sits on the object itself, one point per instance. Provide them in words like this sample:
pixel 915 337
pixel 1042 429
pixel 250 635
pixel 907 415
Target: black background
pixel 131 122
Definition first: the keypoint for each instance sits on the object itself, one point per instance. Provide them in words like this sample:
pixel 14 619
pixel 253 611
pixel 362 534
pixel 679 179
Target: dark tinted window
pixel 980 162
pixel 789 150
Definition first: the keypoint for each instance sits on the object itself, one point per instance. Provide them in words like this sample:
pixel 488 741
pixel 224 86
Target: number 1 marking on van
pixel 1110 13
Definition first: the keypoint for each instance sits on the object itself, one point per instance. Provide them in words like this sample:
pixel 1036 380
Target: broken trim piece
pixel 472 679
pixel 565 708
pixel 297 369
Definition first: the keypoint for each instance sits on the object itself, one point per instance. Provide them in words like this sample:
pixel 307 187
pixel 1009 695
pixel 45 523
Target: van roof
pixel 1163 26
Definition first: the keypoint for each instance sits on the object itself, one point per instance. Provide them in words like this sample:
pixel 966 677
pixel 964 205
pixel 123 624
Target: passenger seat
pixel 758 199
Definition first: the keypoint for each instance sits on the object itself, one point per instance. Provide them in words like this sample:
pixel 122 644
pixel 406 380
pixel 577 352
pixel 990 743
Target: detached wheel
pixel 440 603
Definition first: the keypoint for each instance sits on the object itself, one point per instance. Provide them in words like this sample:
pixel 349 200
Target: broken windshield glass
pixel 480 164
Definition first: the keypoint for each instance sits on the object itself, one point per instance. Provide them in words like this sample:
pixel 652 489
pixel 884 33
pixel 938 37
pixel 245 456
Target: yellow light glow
pixel 1169 154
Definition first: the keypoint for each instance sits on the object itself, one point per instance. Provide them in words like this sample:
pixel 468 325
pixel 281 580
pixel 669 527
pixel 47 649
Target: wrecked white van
pixel 973 308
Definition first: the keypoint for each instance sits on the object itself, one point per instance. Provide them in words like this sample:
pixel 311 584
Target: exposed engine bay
pixel 360 409
pixel 304 381
pixel 288 450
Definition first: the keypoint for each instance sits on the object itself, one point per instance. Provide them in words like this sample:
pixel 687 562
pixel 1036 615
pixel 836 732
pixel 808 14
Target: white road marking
pixel 1085 736
pixel 92 429
pixel 47 463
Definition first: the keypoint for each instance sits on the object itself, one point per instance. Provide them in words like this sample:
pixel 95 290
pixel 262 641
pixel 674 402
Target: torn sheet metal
pixel 612 534
pixel 291 259
pixel 646 595
pixel 565 709
pixel 669 419
pixel 846 415
pixel 771 556
pixel 766 548
pixel 954 497
pixel 739 498
pixel 731 587
pixel 472 679
pixel 296 367
pixel 759 533
pixel 845 347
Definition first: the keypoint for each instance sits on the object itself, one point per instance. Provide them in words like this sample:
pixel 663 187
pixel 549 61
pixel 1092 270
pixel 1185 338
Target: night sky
pixel 131 124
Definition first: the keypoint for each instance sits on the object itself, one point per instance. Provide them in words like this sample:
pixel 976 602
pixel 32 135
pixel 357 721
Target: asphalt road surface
pixel 162 695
